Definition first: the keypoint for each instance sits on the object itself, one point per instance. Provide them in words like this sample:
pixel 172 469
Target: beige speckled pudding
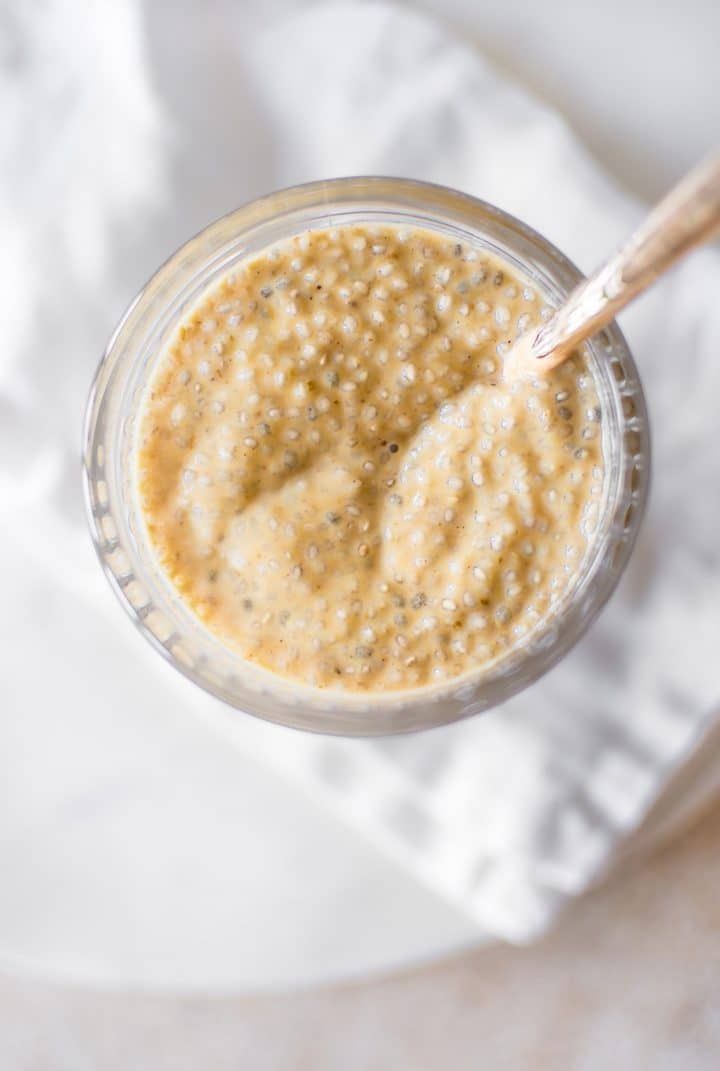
pixel 335 476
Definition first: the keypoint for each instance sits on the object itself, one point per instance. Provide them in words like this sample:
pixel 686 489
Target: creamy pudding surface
pixel 337 480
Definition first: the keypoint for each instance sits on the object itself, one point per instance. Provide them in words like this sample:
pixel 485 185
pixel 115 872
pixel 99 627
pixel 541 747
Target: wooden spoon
pixel 688 216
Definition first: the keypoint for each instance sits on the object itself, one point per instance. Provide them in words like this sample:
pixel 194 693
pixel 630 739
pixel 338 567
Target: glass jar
pixel 109 439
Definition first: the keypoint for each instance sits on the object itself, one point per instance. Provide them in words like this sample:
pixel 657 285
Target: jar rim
pixel 146 595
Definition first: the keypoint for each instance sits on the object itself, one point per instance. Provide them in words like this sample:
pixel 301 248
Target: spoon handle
pixel 686 217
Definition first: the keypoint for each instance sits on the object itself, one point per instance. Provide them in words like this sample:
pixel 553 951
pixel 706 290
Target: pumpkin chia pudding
pixel 338 481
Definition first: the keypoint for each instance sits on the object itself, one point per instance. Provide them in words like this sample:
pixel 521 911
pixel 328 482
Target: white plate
pixel 142 848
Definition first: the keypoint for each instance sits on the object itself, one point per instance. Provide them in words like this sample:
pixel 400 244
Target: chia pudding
pixel 338 481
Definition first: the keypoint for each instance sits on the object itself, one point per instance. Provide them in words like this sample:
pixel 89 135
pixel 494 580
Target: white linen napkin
pixel 506 815
pixel 509 814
